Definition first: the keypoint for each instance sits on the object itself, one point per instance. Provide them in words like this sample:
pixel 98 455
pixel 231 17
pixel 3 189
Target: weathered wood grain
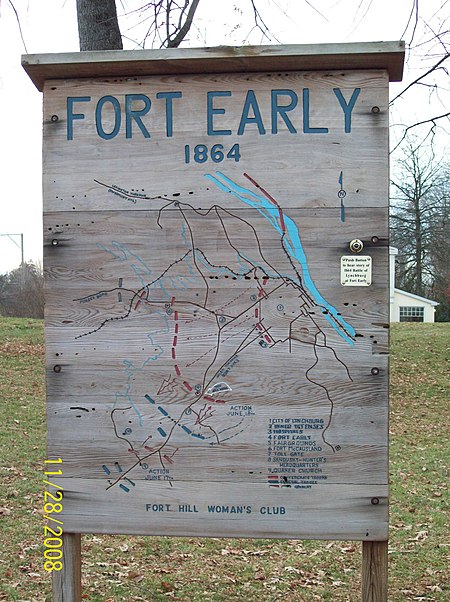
pixel 317 156
pixel 67 582
pixel 361 465
pixel 345 512
pixel 375 571
pixel 200 350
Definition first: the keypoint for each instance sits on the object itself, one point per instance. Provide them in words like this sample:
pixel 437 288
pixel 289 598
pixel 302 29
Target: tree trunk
pixel 418 247
pixel 98 28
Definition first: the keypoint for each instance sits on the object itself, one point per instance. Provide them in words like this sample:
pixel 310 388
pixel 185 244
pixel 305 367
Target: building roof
pixel 416 297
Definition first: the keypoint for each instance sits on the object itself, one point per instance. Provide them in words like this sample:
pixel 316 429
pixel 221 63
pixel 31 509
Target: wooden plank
pixel 318 155
pixel 360 464
pixel 374 571
pixel 227 509
pixel 67 582
pixel 368 55
pixel 125 432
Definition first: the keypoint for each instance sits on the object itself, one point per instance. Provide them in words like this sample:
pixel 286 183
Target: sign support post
pixel 374 571
pixel 67 582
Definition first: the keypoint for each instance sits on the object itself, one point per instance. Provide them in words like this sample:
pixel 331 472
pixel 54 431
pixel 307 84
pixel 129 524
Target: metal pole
pixel 22 266
pixel 10 235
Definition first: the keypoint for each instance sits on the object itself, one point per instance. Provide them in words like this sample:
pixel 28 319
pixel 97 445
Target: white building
pixel 406 307
pixel 412 308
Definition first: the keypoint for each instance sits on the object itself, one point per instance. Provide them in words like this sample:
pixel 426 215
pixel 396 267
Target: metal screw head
pixel 55 242
pixel 356 245
pixel 57 368
pixel 375 501
pixel 375 371
pixel 54 118
pixel 375 239
pixel 375 109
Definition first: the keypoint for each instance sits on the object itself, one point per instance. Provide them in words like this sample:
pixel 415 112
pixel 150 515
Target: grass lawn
pixel 120 568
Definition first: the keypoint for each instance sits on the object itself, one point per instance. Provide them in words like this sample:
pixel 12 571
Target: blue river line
pixel 292 241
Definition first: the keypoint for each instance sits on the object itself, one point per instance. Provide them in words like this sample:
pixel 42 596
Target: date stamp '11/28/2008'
pixel 53 554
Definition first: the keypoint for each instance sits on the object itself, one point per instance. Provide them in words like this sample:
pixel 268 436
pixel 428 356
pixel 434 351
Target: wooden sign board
pixel 207 372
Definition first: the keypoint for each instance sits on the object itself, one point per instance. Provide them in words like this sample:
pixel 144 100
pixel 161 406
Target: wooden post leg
pixel 67 581
pixel 374 571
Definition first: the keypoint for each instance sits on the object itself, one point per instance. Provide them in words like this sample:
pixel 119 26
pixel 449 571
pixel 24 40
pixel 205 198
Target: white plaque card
pixel 356 270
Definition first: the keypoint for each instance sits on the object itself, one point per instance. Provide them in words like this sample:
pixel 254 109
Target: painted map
pixel 225 299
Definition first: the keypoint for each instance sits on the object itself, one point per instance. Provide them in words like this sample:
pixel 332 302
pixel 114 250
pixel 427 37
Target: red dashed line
pixel 280 211
pixel 268 339
pixel 256 312
pixel 208 398
pixel 168 459
pixel 264 281
pixel 147 448
pixel 175 340
pixel 174 344
pixel 140 299
pixel 259 326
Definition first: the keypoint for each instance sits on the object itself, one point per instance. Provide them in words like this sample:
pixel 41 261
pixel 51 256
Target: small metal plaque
pixel 356 270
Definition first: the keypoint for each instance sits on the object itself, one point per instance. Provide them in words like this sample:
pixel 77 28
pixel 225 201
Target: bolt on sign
pixel 208 371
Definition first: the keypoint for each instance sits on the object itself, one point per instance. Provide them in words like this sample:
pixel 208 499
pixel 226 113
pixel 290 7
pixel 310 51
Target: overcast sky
pixel 50 26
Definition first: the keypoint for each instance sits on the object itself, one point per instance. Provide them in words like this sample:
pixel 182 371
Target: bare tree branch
pixel 259 23
pixel 316 10
pixel 18 23
pixel 417 80
pixel 414 9
pixel 182 33
pixel 410 127
pixel 362 18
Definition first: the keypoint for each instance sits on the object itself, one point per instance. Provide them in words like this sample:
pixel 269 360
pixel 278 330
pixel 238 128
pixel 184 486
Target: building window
pixel 411 314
